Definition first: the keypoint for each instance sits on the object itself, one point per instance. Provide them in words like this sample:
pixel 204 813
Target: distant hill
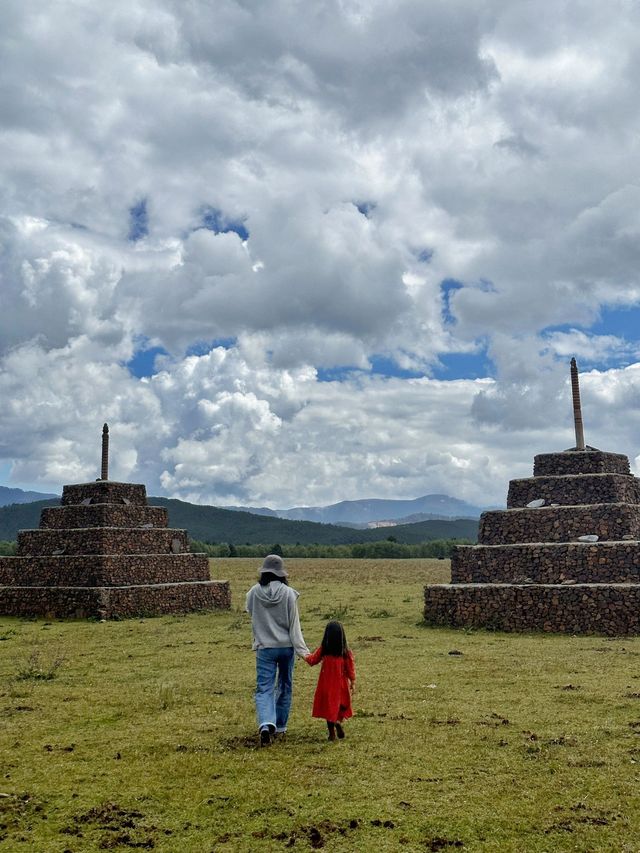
pixel 212 524
pixel 19 496
pixel 408 519
pixel 372 509
pixel 21 517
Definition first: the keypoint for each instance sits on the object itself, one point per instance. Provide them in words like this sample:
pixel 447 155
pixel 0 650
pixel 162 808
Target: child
pixel 332 700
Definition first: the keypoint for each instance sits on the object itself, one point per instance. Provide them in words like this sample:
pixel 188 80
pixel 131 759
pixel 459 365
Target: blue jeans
pixel 274 684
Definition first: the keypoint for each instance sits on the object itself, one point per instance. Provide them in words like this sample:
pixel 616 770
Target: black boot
pixel 266 736
pixel 340 731
pixel 332 730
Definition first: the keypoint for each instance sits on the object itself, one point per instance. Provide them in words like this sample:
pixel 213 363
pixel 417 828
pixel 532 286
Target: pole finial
pixel 577 409
pixel 105 453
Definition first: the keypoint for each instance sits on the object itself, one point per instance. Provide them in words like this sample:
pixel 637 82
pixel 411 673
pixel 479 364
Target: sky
pixel 295 253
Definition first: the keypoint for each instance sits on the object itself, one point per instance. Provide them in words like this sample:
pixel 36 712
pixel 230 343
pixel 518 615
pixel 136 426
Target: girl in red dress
pixel 332 700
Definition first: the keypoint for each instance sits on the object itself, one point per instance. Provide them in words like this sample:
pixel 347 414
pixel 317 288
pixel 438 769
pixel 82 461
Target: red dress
pixel 332 700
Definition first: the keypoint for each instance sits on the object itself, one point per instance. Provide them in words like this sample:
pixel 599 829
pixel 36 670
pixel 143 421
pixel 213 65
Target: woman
pixel 277 638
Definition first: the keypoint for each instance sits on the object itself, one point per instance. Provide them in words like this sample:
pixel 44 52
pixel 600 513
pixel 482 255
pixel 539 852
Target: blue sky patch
pixel 455 365
pixel 334 374
pixel 621 322
pixel 204 347
pixel 143 362
pixel 215 220
pixel 138 221
pixel 425 255
pixel 563 327
pixel 365 207
pixel 464 365
pixel 380 366
pixel 449 286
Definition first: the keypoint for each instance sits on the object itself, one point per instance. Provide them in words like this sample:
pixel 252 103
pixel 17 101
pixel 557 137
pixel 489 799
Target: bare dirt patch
pixel 120 827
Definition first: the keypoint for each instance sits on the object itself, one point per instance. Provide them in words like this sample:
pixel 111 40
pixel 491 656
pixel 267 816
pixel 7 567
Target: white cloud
pixel 217 428
pixel 599 348
pixel 486 143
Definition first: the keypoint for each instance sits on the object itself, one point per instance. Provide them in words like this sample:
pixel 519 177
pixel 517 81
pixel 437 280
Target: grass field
pixel 141 735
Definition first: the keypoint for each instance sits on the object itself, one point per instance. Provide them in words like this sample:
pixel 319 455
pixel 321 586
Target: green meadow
pixel 141 735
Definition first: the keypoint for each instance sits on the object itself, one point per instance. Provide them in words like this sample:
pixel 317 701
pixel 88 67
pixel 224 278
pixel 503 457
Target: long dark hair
pixel 267 577
pixel 334 641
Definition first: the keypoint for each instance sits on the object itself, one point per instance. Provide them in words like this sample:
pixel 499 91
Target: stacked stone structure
pixel 105 553
pixel 569 565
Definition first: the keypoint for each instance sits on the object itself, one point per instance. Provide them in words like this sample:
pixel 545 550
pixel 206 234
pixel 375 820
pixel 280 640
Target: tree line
pixel 389 548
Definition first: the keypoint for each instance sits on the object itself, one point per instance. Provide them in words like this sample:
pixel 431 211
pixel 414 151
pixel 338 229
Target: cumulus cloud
pixel 220 428
pixel 299 183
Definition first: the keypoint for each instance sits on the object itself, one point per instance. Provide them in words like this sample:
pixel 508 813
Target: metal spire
pixel 577 410
pixel 105 453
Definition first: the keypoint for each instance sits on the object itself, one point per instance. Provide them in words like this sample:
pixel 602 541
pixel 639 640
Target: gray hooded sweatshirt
pixel 274 617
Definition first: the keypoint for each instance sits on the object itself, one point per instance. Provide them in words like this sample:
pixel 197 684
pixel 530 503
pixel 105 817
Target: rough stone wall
pixel 105 492
pixel 559 524
pixel 115 602
pixel 528 572
pixel 103 515
pixel 114 570
pixel 111 557
pixel 580 462
pixel 595 608
pixel 168 598
pixel 606 562
pixel 101 540
pixel 575 489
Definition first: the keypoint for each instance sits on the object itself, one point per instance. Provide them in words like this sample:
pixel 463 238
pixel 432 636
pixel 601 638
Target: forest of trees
pixel 387 548
pixel 212 524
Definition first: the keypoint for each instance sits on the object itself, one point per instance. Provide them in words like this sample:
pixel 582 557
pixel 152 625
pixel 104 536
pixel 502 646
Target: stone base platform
pixel 589 461
pixel 102 515
pixel 572 489
pixel 103 570
pixel 609 521
pixel 102 540
pixel 547 562
pixel 594 608
pixel 104 491
pixel 119 602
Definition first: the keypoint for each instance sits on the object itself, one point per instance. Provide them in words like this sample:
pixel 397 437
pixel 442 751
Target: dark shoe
pixel 265 737
pixel 340 731
pixel 332 730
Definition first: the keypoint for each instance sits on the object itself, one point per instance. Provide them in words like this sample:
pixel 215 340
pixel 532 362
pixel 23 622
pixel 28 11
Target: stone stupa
pixel 105 553
pixel 564 556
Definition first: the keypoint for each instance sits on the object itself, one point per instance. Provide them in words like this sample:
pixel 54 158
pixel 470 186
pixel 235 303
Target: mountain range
pixel 213 524
pixel 19 496
pixel 363 512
